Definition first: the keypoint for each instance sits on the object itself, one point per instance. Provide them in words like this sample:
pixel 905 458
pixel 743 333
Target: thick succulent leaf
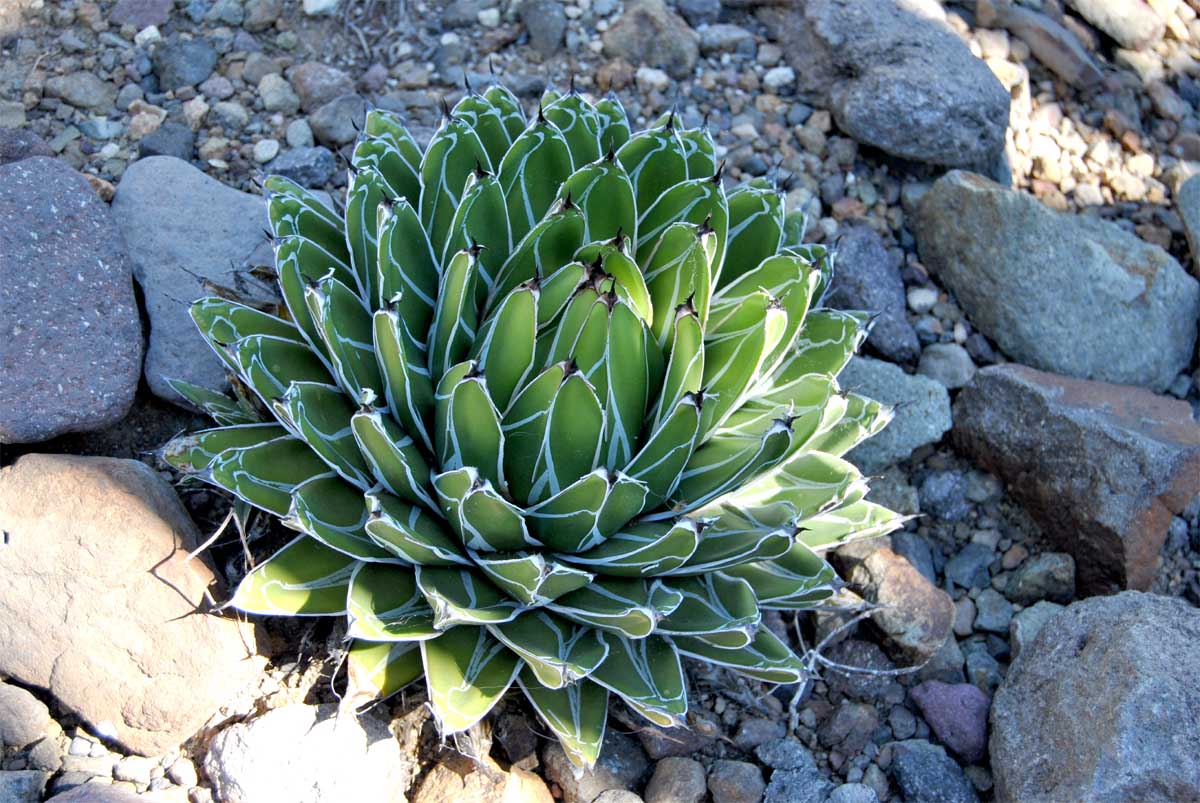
pixel 648 676
pixel 580 126
pixel 305 578
pixel 411 533
pixel 766 658
pixel 863 418
pixel 226 411
pixel 534 167
pixel 505 346
pixel 726 462
pixel 755 229
pixel 408 269
pixel 407 384
pixel 627 607
pixel 700 202
pixel 714 605
pixel 629 383
pixel 300 262
pixel 546 248
pixel 294 211
pixel 827 341
pixel 669 448
pixel 655 162
pixel 487 120
pixel 468 671
pixel 861 519
pixel 223 322
pixel 510 109
pixel 344 323
pixel 614 124
pixel 571 441
pixel 700 152
pixel 677 274
pixel 603 192
pixel 463 597
pixel 468 425
pixel 320 415
pixel 266 474
pixel 393 457
pixel 576 713
pixel 787 279
pixel 557 652
pixel 366 192
pixel 524 426
pixel 377 670
pixel 455 319
pixel 627 280
pixel 336 514
pixel 197 450
pixel 388 147
pixel 454 152
pixel 268 365
pixel 529 577
pixel 384 604
pixel 735 346
pixel 647 549
pixel 732 543
pixel 483 520
pixel 584 513
pixel 580 336
pixel 796 579
pixel 685 365
pixel 481 221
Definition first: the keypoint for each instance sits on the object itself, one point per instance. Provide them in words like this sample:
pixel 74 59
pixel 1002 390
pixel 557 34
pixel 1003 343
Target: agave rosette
pixel 548 405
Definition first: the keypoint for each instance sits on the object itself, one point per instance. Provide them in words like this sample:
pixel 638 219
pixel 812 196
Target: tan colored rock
pixel 99 607
pixel 916 616
pixel 461 780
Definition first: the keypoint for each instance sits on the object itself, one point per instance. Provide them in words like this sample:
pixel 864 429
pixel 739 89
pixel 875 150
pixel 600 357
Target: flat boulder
pixel 184 229
pixel 1104 704
pixel 1072 294
pixel 69 324
pixel 1103 468
pixel 99 606
pixel 896 77
pixel 921 416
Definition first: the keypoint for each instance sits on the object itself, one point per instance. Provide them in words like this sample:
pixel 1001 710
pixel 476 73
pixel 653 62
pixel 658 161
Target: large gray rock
pixel 69 324
pixel 184 228
pixel 621 764
pixel 1071 294
pixel 1133 23
pixel 309 753
pixel 867 279
pixel 1103 468
pixel 896 77
pixel 1103 705
pixel 924 772
pixel 650 33
pixel 921 417
pixel 1187 202
pixel 99 606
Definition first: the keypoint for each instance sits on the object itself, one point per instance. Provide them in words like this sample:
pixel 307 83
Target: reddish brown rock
pixel 1101 467
pixel 98 606
pixel 915 616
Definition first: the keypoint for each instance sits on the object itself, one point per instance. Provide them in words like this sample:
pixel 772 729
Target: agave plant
pixel 547 404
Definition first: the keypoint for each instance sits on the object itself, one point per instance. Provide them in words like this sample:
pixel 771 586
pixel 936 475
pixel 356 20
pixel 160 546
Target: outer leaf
pixel 557 652
pixel 453 154
pixel 647 674
pixel 320 415
pixel 461 597
pixel 714 606
pixel 626 607
pixel 767 658
pixel 536 164
pixel 455 318
pixel 411 533
pixel 335 514
pixel 576 714
pixel 377 670
pixel 266 474
pixel 384 604
pixel 530 578
pixel 196 451
pixel 603 191
pixel 483 520
pixel 305 578
pixel 649 549
pixel 468 672
pixel 393 456
pixel 407 384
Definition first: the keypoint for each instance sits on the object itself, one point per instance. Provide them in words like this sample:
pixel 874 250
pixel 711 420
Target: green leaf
pixel 393 456
pixel 226 411
pixel 320 415
pixel 305 578
pixel 483 519
pixel 714 605
pixel 796 579
pixel 411 533
pixel 486 119
pixel 700 151
pixel 614 123
pixel 604 193
pixel 268 365
pixel 661 460
pixel 696 201
pixel 655 162
pixel 530 577
pixel 755 229
pixel 456 316
pixel 536 164
pixel 462 597
pixel 724 545
pixel 863 418
pixel 408 269
pixel 727 462
pixel 648 675
pixel 629 382
pixel 861 519
pixel 344 323
pixel 384 604
pixel 576 714
pixel 453 154
pixel 510 109
pixel 584 513
pixel 557 652
pixel 580 126
pixel 407 385
pixel 766 658
pixel 547 247
pixel 677 274
pixel 377 670
pixel 481 221
pixel 389 148
pixel 336 514
pixel 294 211
pixel 196 451
pixel 685 365
pixel 737 342
pixel 505 346
pixel 627 607
pixel 646 549
pixel 468 672
pixel 571 443
pixel 266 474
pixel 366 192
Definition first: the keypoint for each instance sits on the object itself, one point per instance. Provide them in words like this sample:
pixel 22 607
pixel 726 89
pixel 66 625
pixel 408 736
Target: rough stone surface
pixel 916 617
pixel 171 139
pixel 1133 23
pixel 1103 705
pixel 948 364
pixel 621 764
pixel 23 717
pixel 72 338
pixel 83 91
pixel 183 62
pixel 867 279
pixel 1071 294
pixel 735 782
pixel 183 227
pixel 303 752
pixel 458 778
pixel 676 780
pixel 546 22
pixel 924 772
pixel 22 786
pixel 957 713
pixel 339 121
pixel 98 793
pixel 17 144
pixel 897 77
pixel 316 84
pixel 140 13
pixel 650 33
pixel 1103 471
pixel 1050 575
pixel 1188 204
pixel 99 607
pixel 1051 43
pixel 922 418
pixel 1025 626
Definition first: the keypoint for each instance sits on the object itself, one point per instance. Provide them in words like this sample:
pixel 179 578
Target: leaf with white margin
pixel 576 713
pixel 377 670
pixel 461 597
pixel 395 460
pixel 627 607
pixel 530 577
pixel 646 549
pixel 483 520
pixel 766 658
pixel 336 514
pixel 558 652
pixel 648 676
pixel 305 578
pixel 714 604
pixel 320 415
pixel 268 365
pixel 862 519
pixel 723 546
pixel 864 418
pixel 583 514
pixel 344 323
pixel 266 474
pixel 226 411
pixel 411 532
pixel 797 579
pixel 384 604
pixel 467 671
pixel 196 451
